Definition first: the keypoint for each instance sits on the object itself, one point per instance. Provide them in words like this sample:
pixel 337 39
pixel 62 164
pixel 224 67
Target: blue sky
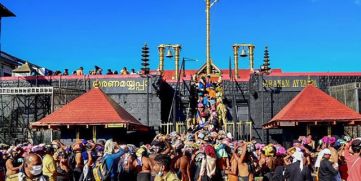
pixel 302 35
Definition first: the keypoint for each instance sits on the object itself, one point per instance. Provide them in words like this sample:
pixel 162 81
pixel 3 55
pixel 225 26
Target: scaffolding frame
pixel 348 94
pixel 22 103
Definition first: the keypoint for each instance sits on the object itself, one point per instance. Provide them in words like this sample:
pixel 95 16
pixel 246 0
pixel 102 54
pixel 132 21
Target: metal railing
pixel 166 128
pixel 239 130
pixel 26 90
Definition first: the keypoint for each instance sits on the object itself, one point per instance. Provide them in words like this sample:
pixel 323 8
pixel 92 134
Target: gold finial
pixel 309 80
pixel 96 84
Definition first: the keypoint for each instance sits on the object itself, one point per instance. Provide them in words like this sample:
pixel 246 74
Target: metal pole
pixel 250 130
pixel 308 129
pixel 234 105
pixel 356 99
pixel 148 100
pixel 184 67
pixel 357 109
pixel 174 107
pixel 161 57
pixel 208 39
pixel 235 53
pixel 176 58
pixel 51 135
pixel 77 133
pixel 94 134
pixel 251 57
pixel 52 101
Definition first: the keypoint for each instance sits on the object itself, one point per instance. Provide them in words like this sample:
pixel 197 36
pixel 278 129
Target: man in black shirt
pixel 297 171
pixel 326 171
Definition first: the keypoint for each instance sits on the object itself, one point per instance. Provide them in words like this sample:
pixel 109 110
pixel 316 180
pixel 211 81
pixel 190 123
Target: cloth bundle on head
pixel 4 146
pixel 27 148
pixel 297 143
pixel 226 141
pixel 347 138
pixel 268 150
pixel 303 140
pixel 154 149
pixel 298 156
pixel 332 140
pixel 221 132
pixel 214 134
pixel 131 148
pixel 280 151
pixel 209 150
pixel 229 135
pixel 326 151
pixel 155 142
pixel 84 141
pixel 123 147
pixel 221 151
pixel 140 151
pixel 173 134
pixel 188 148
pixel 195 146
pixel 320 142
pixel 178 144
pixel 328 140
pixel 99 148
pixel 10 150
pixel 250 148
pixel 109 147
pixel 339 143
pixel 259 146
pixel 325 139
pixel 320 156
pixel 190 137
pixel 201 135
pixel 37 148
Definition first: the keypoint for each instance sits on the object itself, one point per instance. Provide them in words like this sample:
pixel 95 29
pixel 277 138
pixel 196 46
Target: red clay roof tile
pixel 91 108
pixel 311 105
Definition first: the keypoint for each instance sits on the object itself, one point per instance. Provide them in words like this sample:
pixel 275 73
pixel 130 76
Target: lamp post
pixel 244 53
pixel 184 64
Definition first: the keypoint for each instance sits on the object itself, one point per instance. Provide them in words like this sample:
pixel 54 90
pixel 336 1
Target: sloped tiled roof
pixel 91 108
pixel 314 105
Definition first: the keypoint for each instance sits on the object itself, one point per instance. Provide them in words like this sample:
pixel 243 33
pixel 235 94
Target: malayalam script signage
pixel 123 85
pixel 288 83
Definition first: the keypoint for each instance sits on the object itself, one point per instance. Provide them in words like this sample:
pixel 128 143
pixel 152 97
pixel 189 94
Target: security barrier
pixel 239 130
